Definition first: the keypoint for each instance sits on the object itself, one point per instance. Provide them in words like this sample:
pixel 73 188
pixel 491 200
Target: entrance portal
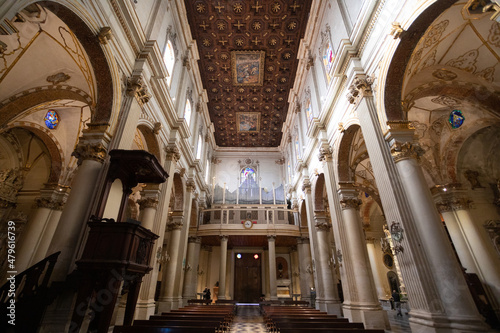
pixel 247 278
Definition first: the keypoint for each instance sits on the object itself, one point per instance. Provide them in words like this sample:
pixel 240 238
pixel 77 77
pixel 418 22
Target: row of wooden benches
pixel 290 319
pixel 190 319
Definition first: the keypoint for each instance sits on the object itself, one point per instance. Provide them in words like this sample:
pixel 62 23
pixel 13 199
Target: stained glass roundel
pixel 51 119
pixel 456 118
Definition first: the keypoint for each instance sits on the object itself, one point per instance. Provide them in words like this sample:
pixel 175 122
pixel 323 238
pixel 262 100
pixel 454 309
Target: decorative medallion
pixel 456 119
pixel 51 119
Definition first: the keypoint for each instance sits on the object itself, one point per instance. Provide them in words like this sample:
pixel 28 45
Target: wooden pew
pixel 155 329
pixel 324 330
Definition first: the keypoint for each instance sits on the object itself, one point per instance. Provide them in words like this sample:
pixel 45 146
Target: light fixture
pixel 238 256
pixel 256 256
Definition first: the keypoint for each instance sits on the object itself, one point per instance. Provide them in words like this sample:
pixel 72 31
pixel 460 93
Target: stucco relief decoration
pixel 430 60
pixel 493 229
pixel 58 78
pixel 11 181
pixel 466 62
pixel 435 33
pixel 473 177
pixel 444 74
pixel 494 35
pixel 446 101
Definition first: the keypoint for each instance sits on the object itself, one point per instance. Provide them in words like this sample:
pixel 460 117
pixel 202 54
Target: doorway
pixel 247 277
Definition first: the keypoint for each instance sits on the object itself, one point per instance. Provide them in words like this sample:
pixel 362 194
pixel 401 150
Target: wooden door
pixel 247 278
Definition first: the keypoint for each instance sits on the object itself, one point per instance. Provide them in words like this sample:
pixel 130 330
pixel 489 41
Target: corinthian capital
pixel 361 86
pixel 90 151
pixel 443 206
pixel 407 150
pixel 177 225
pixel 173 153
pixel 49 203
pixel 190 186
pixel 306 186
pixel 323 226
pixel 325 154
pixel 148 203
pixel 350 203
pixel 137 88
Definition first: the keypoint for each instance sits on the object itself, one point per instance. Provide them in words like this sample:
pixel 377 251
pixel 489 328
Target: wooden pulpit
pixel 116 251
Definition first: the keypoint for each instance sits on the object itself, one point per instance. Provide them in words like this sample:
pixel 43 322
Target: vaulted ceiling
pixel 248 60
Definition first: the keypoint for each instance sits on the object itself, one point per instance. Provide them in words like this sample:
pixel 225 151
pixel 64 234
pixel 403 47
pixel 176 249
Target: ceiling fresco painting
pixel 248 60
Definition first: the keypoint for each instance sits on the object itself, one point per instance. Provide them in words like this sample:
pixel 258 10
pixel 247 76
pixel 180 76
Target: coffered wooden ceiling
pixel 248 60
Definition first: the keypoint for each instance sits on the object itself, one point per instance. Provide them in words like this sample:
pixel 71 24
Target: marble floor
pixel 249 320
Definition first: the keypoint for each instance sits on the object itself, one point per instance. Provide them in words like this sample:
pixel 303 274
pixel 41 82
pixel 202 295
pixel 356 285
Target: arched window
pixel 247 173
pixel 199 146
pixel 309 113
pixel 328 59
pixel 169 60
pixel 187 112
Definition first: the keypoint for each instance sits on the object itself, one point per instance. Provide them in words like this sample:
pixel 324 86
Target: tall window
pixel 297 147
pixel 199 146
pixel 187 112
pixel 247 173
pixel 207 174
pixel 328 59
pixel 289 168
pixel 309 113
pixel 169 60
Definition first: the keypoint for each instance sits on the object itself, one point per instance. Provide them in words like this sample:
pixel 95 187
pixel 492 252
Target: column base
pixel 167 304
pixel 371 315
pixel 144 309
pixel 437 323
pixel 330 306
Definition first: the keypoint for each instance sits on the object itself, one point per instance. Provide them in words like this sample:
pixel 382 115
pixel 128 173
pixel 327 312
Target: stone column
pixel 265 275
pixel 189 194
pixel 474 251
pixel 90 152
pixel 306 188
pixel 295 269
pixel 191 276
pixel 223 267
pixel 364 305
pixel 425 292
pixel 455 297
pixel 375 256
pixel 305 268
pixel 327 297
pixel 146 303
pixel 38 233
pixel 271 243
pixel 167 294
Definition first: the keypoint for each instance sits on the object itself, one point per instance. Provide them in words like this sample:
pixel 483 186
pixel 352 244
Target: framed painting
pixel 248 121
pixel 248 67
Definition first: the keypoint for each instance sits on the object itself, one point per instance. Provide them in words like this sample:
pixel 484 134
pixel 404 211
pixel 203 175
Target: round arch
pixel 409 40
pixel 90 43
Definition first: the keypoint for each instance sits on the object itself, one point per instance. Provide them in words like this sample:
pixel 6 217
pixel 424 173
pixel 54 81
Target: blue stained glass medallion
pixel 51 119
pixel 456 119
